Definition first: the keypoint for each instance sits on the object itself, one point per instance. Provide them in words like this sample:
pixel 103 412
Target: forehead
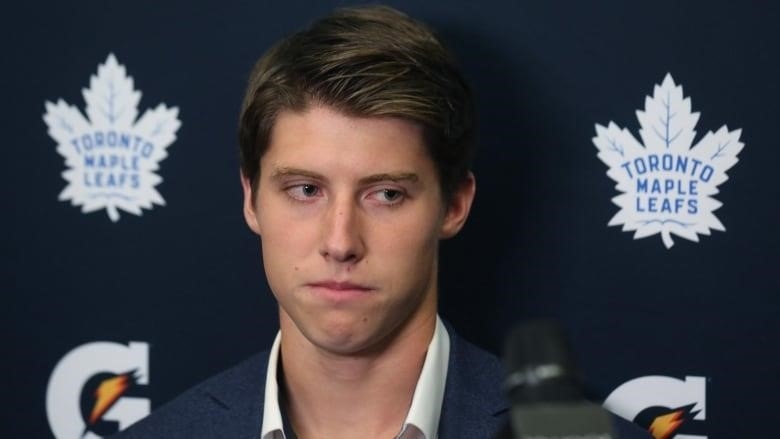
pixel 323 138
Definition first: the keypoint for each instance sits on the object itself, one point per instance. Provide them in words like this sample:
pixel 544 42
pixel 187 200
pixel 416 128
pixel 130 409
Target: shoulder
pixel 229 404
pixel 474 401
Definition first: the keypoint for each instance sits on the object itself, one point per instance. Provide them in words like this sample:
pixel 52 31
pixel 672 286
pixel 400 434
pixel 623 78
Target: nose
pixel 342 240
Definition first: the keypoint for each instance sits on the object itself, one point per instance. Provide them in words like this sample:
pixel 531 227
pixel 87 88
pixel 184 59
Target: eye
pixel 387 196
pixel 391 194
pixel 309 190
pixel 303 191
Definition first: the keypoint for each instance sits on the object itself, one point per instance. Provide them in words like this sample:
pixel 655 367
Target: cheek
pixel 286 244
pixel 410 246
pixel 283 228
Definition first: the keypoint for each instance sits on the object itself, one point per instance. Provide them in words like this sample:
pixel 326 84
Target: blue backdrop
pixel 655 329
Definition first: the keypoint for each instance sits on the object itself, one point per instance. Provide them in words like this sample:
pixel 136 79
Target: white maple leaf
pixel 111 156
pixel 666 184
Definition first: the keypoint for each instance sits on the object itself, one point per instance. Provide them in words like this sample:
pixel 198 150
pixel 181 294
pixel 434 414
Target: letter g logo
pixel 76 368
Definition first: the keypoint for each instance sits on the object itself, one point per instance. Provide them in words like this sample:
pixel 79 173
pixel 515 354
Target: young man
pixel 356 138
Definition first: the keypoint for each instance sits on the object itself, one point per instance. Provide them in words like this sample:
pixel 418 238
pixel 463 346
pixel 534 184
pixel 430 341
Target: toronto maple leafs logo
pixel 111 156
pixel 667 185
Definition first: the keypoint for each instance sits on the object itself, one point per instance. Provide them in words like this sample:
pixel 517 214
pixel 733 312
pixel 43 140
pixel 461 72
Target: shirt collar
pixel 422 420
pixel 428 396
pixel 272 415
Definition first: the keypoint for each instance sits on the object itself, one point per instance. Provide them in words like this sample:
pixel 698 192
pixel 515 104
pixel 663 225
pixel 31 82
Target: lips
pixel 335 290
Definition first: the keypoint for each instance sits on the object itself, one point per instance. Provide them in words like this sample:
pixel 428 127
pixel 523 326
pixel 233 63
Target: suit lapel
pixel 237 400
pixel 474 405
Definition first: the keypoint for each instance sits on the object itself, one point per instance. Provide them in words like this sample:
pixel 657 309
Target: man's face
pixel 350 212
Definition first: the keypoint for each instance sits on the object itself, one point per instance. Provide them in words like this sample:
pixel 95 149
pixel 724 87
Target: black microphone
pixel 544 388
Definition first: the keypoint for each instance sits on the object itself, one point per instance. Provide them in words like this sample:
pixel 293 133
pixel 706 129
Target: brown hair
pixel 366 61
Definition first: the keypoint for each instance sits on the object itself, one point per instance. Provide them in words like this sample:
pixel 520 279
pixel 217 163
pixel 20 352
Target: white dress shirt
pixel 422 419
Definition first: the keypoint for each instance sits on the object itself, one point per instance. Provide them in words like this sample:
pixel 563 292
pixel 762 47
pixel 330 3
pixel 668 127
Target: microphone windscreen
pixel 540 364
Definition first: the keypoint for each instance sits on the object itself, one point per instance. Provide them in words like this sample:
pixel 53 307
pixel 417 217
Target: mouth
pixel 339 291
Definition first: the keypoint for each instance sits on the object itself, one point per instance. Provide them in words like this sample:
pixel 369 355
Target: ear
pixel 249 205
pixel 459 207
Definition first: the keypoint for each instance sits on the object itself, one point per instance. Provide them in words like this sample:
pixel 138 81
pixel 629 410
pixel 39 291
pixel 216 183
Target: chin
pixel 345 338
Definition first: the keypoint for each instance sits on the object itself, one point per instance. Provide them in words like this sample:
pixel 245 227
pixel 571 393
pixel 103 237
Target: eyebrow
pixel 285 171
pixel 394 177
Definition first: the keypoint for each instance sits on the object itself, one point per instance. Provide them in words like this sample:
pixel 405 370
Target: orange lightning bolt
pixel 665 425
pixel 106 395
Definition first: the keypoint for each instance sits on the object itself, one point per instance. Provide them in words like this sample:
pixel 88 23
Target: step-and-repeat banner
pixel 627 186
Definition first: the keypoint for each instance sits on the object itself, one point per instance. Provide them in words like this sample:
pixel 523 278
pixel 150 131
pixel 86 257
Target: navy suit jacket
pixel 230 405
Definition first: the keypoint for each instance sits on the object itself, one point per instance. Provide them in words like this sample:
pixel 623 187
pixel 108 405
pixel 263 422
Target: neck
pixel 364 394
